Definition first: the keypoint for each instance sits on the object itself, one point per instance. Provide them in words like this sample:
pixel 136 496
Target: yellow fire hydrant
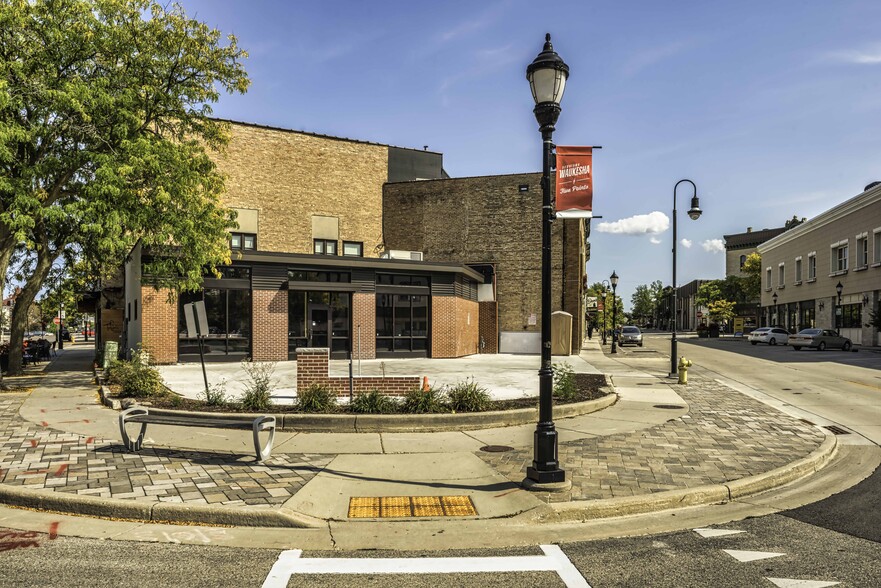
pixel 684 364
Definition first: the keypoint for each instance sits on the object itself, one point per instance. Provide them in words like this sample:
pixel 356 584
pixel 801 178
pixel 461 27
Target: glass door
pixel 319 316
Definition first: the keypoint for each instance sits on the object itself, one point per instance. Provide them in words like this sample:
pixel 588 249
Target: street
pixel 836 541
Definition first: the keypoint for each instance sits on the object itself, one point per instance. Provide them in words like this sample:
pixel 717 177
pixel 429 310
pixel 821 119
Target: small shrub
pixel 468 396
pixel 136 378
pixel 316 398
pixel 373 402
pixel 564 382
pixel 258 390
pixel 419 401
pixel 215 395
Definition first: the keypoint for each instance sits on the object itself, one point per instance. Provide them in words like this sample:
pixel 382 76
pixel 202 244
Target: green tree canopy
pixel 752 281
pixel 105 137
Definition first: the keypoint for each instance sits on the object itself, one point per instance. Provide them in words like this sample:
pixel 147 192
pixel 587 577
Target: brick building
pixel 363 248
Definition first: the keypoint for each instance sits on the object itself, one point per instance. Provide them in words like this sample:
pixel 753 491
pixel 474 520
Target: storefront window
pixel 851 316
pixel 319 319
pixel 402 323
pixel 229 325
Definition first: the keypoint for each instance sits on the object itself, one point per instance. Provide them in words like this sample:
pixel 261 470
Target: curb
pixel 398 423
pixel 152 512
pixel 698 496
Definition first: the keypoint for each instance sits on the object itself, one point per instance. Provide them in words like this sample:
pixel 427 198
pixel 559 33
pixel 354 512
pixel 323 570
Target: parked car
pixel 819 339
pixel 630 335
pixel 769 335
pixel 34 335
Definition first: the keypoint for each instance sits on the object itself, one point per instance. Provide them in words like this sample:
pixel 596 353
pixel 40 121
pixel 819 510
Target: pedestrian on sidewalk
pixel 590 330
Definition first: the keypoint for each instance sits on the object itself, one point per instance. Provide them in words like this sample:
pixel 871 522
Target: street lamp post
pixel 604 292
pixel 614 279
pixel 838 288
pixel 547 76
pixel 694 213
pixel 776 311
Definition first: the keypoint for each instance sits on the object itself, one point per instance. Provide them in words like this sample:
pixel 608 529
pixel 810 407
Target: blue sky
pixel 772 108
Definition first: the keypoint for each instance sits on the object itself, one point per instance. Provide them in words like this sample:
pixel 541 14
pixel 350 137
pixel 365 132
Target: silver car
pixel 819 339
pixel 630 335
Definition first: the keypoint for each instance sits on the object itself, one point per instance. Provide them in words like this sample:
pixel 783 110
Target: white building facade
pixel 804 266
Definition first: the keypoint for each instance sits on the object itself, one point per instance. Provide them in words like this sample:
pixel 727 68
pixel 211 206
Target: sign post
pixel 197 328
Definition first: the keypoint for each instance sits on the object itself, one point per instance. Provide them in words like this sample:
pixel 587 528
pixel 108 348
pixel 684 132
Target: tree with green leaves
pixel 642 304
pixel 752 280
pixel 106 137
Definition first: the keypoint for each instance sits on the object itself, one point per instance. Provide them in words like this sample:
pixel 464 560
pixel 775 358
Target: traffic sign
pixel 699 314
pixel 56 320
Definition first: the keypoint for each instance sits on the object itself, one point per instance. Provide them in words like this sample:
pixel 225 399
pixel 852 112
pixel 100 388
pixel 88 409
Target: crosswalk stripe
pixel 751 555
pixel 716 532
pixel 554 560
pixel 790 583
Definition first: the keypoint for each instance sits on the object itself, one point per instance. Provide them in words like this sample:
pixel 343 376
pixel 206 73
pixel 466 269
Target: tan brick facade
pixel 159 330
pixel 290 176
pixel 270 325
pixel 312 368
pixel 364 315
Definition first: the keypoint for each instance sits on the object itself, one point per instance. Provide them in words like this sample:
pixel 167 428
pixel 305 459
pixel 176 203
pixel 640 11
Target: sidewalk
pixel 661 445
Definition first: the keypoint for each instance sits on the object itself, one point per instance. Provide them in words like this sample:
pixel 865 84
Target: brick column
pixel 269 317
pixel 364 314
pixel 159 325
pixel 312 366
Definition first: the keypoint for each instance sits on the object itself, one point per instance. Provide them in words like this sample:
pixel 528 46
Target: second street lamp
pixel 547 76
pixel 614 279
pixel 838 288
pixel 604 290
pixel 693 213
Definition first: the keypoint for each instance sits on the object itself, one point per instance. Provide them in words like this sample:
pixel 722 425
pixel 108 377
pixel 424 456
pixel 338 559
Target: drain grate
pixel 836 430
pixel 669 406
pixel 644 384
pixel 387 507
pixel 496 448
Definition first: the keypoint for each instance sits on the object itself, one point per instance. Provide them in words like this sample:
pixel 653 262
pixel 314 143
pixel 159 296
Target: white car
pixel 769 335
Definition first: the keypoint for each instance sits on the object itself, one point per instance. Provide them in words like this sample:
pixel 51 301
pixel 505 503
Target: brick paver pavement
pixel 725 436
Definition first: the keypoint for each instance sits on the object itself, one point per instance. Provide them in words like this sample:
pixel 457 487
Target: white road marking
pixel 716 532
pixel 788 583
pixel 554 560
pixel 751 555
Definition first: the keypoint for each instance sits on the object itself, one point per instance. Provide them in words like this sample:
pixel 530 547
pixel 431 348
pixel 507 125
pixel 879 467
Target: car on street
pixel 631 335
pixel 769 335
pixel 34 335
pixel 819 339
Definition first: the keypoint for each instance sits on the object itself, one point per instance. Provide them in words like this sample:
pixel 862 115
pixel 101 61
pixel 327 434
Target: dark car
pixel 65 334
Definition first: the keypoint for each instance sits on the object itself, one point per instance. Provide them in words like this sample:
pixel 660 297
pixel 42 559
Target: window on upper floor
pixel 768 283
pixel 324 247
pixel 838 257
pixel 243 241
pixel 876 250
pixel 742 261
pixel 862 259
pixel 812 266
pixel 797 270
pixel 781 275
pixel 352 248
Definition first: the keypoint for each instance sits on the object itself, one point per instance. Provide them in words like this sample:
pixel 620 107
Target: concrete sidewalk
pixel 660 446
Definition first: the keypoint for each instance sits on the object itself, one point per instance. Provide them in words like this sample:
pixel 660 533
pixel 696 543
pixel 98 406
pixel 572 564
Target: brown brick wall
pixel 312 368
pixel 270 325
pixel 364 314
pixel 454 326
pixel 159 325
pixel 489 326
pixel 573 278
pixel 488 220
pixel 289 177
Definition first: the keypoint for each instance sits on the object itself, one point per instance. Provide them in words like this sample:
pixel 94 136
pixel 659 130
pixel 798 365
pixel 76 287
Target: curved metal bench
pixel 142 415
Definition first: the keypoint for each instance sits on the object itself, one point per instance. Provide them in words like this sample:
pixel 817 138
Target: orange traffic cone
pixel 425 386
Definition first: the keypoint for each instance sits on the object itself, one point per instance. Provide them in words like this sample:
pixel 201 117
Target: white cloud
pixel 713 245
pixel 655 241
pixel 686 243
pixel 868 56
pixel 641 224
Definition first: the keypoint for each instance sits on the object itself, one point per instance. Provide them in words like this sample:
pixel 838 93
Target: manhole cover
pixel 496 448
pixel 669 406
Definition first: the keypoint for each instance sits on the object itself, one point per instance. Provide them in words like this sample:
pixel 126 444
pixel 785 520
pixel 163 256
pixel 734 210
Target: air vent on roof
pixel 396 254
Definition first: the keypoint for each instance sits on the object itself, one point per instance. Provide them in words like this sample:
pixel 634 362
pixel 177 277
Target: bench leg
pixel 126 440
pixel 261 425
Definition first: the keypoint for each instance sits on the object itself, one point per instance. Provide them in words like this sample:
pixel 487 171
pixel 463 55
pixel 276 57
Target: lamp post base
pixel 545 468
pixel 533 486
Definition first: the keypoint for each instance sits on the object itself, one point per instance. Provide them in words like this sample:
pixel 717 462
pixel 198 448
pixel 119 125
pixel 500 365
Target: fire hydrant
pixel 684 364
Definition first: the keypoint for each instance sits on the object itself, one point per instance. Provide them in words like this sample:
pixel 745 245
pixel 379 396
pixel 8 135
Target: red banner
pixel 574 182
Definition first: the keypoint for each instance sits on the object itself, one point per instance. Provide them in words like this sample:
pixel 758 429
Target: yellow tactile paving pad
pixel 387 507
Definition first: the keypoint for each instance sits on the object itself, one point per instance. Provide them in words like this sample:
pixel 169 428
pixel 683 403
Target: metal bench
pixel 142 415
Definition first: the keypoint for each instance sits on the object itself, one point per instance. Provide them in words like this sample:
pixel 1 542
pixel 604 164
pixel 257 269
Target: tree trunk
pixel 7 246
pixel 45 257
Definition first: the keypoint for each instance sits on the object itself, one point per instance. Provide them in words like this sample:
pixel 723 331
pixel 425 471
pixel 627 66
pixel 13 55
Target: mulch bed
pixel 589 386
